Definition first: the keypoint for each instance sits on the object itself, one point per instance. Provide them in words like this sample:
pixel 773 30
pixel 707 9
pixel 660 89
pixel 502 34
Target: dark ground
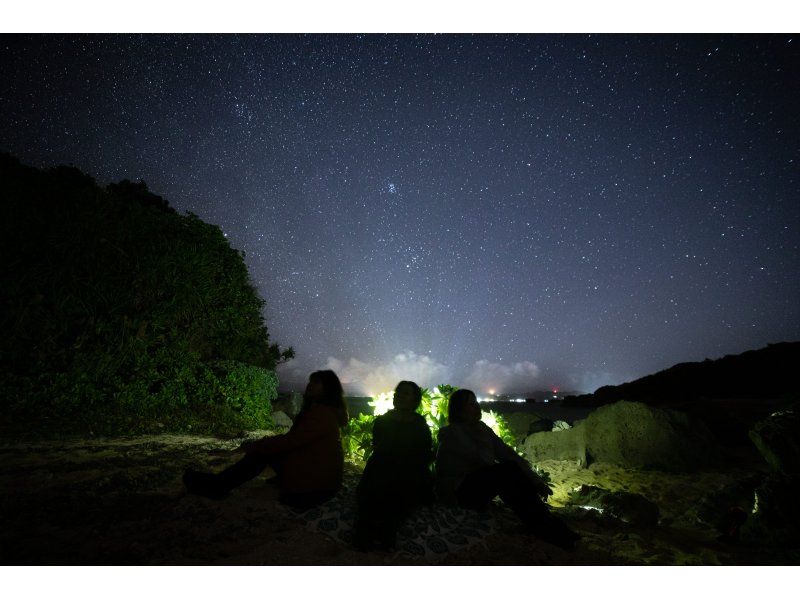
pixel 120 501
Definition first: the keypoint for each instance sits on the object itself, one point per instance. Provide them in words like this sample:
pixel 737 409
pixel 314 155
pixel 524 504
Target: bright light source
pixel 491 391
pixel 381 403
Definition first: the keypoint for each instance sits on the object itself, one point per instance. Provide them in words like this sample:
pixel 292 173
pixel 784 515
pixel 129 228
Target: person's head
pixel 463 407
pixel 407 396
pixel 324 388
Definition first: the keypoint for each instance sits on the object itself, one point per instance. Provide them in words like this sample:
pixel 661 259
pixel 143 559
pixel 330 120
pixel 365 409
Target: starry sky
pixel 503 212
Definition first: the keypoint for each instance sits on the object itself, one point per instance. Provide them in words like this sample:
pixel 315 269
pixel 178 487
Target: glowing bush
pixel 357 438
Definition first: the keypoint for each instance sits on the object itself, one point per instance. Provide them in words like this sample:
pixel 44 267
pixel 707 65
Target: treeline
pixel 120 315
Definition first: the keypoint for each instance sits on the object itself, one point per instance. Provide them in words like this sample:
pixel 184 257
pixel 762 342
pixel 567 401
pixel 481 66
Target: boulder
pixel 560 425
pixel 520 423
pixel 541 425
pixel 715 507
pixel 635 435
pixel 290 404
pixel 627 506
pixel 774 520
pixel 777 438
pixel 632 435
pixel 567 445
pixel 281 420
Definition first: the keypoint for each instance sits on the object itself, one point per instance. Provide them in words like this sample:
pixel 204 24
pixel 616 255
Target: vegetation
pixel 122 316
pixel 357 438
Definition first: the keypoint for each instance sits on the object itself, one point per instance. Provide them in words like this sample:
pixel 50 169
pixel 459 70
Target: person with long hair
pixel 308 459
pixel 473 466
pixel 397 477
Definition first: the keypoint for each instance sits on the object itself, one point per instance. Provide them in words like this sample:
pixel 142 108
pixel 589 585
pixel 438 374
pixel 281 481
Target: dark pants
pixel 250 466
pixel 508 481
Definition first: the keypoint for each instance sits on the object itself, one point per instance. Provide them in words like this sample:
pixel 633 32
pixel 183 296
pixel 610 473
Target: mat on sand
pixel 430 533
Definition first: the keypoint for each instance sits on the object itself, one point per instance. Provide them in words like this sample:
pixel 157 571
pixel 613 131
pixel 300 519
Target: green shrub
pixel 117 311
pixel 357 437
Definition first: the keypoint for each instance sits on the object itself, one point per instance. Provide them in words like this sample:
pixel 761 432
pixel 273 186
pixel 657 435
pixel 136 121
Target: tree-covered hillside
pixel 120 315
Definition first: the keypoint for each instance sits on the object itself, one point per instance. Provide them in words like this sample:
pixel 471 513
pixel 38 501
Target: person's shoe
pixel 203 484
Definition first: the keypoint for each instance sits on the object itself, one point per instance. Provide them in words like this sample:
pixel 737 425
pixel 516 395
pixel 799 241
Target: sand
pixel 121 501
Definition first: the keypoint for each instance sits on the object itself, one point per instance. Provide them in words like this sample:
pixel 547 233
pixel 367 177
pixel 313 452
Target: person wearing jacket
pixel 396 478
pixel 473 466
pixel 308 459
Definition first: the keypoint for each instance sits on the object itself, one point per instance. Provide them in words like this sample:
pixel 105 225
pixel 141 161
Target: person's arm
pixel 313 425
pixel 503 452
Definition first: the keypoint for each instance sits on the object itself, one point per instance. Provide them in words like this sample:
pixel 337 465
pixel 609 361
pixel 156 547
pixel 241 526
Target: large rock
pixel 632 435
pixel 777 438
pixel 281 420
pixel 565 445
pixel 626 506
pixel 521 423
pixel 774 520
pixel 636 435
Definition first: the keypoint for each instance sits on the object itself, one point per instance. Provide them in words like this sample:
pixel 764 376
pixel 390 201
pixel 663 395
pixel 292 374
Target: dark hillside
pixel 120 315
pixel 730 394
pixel 769 373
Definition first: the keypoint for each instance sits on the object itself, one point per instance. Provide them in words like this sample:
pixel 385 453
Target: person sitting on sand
pixel 473 465
pixel 308 459
pixel 396 477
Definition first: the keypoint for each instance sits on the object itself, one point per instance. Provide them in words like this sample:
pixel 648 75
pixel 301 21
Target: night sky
pixel 502 212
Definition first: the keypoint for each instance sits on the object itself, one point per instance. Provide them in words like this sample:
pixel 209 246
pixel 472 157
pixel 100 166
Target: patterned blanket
pixel 430 533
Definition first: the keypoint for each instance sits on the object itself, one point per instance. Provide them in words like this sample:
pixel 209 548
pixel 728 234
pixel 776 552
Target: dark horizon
pixel 504 212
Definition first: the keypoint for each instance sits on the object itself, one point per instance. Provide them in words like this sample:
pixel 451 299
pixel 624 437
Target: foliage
pixel 120 314
pixel 357 439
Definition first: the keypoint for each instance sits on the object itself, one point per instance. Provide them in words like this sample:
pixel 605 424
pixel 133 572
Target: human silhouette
pixel 397 476
pixel 308 459
pixel 473 465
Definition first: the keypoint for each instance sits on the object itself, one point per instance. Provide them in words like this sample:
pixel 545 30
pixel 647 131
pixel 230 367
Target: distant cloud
pixel 500 377
pixel 363 377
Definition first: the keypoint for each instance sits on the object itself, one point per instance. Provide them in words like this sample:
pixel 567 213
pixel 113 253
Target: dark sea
pixel 553 410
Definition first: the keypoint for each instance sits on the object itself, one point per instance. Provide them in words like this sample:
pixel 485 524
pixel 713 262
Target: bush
pixel 357 437
pixel 117 311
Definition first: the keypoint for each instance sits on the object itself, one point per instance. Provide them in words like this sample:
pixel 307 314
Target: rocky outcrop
pixel 281 420
pixel 628 434
pixel 774 519
pixel 522 424
pixel 777 438
pixel 627 506
pixel 565 445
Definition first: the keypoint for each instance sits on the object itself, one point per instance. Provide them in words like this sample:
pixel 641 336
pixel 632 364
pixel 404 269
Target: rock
pixel 290 404
pixel 635 435
pixel 560 425
pixel 520 423
pixel 777 438
pixel 632 435
pixel 567 445
pixel 774 521
pixel 281 420
pixel 714 508
pixel 541 425
pixel 627 506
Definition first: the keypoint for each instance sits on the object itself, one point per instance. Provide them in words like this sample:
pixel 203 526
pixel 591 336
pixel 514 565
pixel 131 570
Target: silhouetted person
pixel 473 465
pixel 308 459
pixel 397 476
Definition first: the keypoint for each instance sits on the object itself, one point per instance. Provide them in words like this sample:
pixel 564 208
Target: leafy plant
pixel 120 315
pixel 357 438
